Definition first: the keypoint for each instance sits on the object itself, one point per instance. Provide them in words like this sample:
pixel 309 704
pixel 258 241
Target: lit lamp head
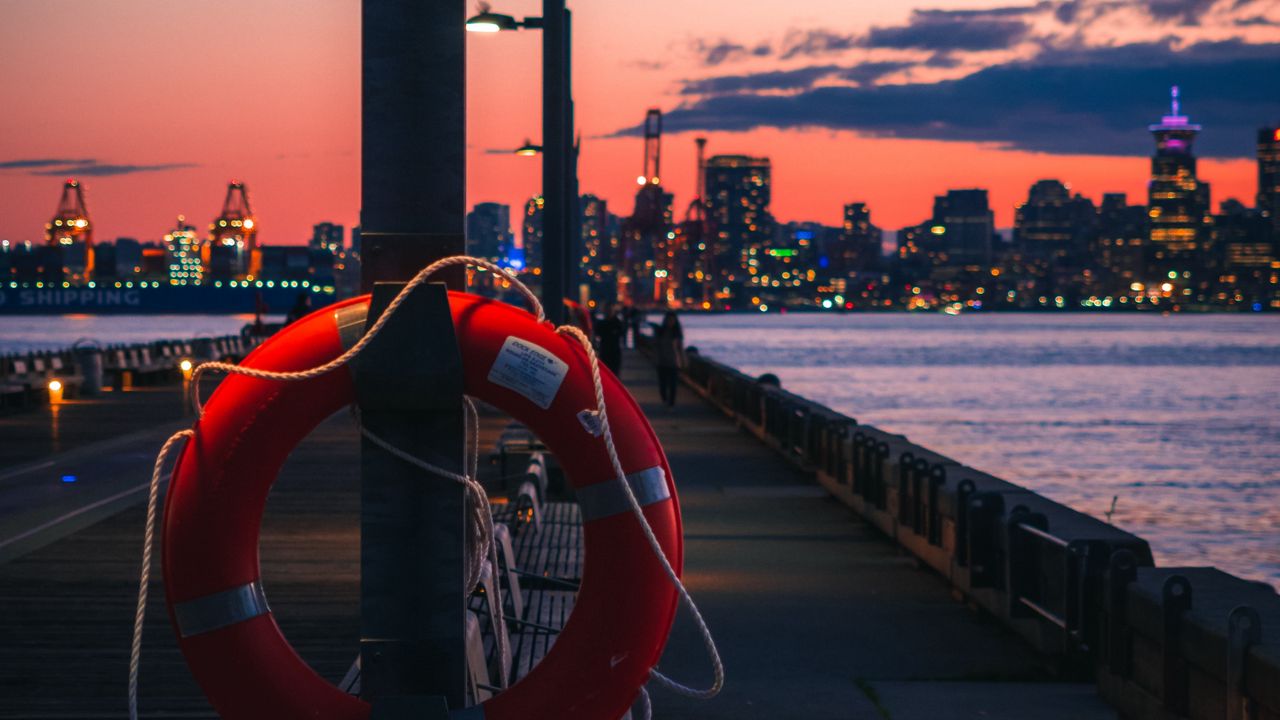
pixel 491 22
pixel 186 367
pixel 55 391
pixel 528 149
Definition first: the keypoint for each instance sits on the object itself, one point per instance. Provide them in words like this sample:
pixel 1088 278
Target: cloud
pixel 772 80
pixel 791 80
pixel 108 170
pixel 1074 101
pixel 721 51
pixel 1258 21
pixel 1185 12
pixel 945 30
pixel 41 163
pixel 869 72
pixel 86 167
pixel 646 64
pixel 810 43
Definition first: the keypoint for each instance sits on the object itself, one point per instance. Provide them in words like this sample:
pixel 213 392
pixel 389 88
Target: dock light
pixel 186 367
pixel 491 22
pixel 55 391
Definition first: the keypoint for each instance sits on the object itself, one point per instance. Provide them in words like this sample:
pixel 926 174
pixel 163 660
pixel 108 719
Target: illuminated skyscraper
pixel 182 247
pixel 489 231
pixel 858 247
pixel 963 226
pixel 1178 202
pixel 528 255
pixel 1122 239
pixel 601 235
pixel 1052 225
pixel 327 236
pixel 1269 177
pixel 738 194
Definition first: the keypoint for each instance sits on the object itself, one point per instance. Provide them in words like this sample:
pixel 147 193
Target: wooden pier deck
pixel 816 615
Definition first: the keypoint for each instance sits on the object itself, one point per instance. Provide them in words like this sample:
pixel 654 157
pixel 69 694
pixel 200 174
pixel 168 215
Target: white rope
pixel 480 542
pixel 621 476
pixel 346 357
pixel 144 578
pixel 480 546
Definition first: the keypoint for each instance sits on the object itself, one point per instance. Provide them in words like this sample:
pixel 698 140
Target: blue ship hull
pixel 162 300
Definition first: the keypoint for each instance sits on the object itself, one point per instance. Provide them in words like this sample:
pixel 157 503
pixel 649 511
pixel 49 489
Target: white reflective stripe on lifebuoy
pixel 607 498
pixel 221 609
pixel 351 321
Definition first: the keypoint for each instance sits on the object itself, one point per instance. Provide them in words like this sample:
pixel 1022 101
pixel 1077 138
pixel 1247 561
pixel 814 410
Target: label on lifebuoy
pixel 530 370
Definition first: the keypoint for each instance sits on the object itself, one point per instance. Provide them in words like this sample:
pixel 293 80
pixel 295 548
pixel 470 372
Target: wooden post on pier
pixel 409 382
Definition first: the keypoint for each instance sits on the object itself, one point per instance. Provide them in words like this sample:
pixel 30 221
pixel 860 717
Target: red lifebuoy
pixel 235 650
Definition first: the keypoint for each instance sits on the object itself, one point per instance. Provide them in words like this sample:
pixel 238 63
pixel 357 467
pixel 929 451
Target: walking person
pixel 632 317
pixel 300 309
pixel 668 339
pixel 610 332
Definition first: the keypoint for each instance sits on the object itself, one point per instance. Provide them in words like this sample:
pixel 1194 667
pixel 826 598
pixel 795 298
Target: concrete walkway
pixel 816 614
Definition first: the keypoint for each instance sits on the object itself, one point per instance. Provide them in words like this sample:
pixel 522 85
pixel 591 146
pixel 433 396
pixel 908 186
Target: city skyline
pixel 729 251
pixel 281 111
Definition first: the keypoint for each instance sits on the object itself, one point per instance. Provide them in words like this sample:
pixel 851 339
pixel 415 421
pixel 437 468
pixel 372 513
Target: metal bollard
pixel 88 356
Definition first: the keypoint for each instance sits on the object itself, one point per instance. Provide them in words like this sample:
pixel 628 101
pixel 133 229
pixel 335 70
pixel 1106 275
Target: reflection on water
pixel 1178 417
pixel 23 333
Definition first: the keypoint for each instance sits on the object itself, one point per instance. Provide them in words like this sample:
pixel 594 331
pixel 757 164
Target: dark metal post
pixel 414 139
pixel 554 152
pixel 573 213
pixel 409 381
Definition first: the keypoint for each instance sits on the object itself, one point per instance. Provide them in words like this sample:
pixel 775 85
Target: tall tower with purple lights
pixel 1177 201
pixel 1269 177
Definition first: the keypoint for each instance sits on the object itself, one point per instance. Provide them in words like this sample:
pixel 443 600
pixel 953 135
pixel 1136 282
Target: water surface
pixel 24 333
pixel 1176 417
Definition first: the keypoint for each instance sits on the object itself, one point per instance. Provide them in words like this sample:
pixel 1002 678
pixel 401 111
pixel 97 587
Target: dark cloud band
pixel 84 167
pixel 1071 102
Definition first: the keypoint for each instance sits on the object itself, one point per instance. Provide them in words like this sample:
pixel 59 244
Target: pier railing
pixel 26 377
pixel 1082 591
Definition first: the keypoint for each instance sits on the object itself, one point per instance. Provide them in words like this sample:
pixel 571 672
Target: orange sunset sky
pixel 156 104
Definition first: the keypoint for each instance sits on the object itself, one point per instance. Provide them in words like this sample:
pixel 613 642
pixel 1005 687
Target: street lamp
pixel 491 22
pixel 559 161
pixel 528 149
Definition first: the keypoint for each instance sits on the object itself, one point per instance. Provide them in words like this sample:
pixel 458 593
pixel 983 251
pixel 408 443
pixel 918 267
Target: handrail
pixel 1063 580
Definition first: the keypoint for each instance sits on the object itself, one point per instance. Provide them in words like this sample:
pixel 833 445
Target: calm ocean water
pixel 23 333
pixel 1177 417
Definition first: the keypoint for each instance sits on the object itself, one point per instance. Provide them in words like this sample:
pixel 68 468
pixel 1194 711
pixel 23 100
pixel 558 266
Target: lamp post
pixel 559 162
pixel 408 381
